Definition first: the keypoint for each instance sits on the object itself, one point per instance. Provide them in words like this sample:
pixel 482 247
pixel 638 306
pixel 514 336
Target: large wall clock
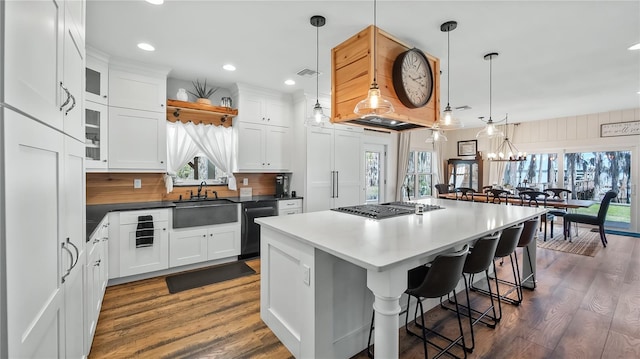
pixel 413 78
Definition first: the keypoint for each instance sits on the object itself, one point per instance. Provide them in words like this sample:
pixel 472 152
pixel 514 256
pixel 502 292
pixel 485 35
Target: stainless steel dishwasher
pixel 250 241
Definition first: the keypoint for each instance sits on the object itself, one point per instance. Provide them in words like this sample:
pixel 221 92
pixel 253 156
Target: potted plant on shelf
pixel 202 93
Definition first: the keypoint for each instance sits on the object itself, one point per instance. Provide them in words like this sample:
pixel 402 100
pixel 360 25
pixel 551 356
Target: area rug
pixel 194 279
pixel 586 243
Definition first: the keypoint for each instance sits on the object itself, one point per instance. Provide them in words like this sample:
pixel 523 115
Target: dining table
pixel 516 200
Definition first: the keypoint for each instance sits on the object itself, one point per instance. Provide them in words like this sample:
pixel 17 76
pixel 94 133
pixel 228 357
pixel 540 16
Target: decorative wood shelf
pixel 197 113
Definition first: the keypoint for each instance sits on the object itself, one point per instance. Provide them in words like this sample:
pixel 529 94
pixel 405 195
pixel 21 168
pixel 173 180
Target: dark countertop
pixel 96 212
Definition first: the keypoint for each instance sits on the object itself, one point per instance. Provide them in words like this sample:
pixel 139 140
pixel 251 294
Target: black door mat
pixel 220 273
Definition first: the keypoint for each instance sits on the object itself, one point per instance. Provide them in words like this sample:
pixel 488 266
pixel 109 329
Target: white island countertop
pixel 323 273
pixel 377 245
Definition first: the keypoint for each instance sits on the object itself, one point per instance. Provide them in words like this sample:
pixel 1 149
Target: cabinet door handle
pixel 337 185
pixel 68 96
pixel 161 105
pixel 97 263
pixel 104 160
pixel 211 235
pixel 161 161
pixel 77 252
pixel 73 98
pixel 96 241
pixel 333 191
pixel 104 96
pixel 204 235
pixel 64 277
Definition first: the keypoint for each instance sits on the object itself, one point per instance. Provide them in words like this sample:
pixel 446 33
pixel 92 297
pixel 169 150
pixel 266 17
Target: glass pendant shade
pixel 317 116
pixel 490 131
pixel 436 136
pixel 374 104
pixel 448 121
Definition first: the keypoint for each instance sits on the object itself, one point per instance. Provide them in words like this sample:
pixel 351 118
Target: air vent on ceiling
pixel 463 108
pixel 308 73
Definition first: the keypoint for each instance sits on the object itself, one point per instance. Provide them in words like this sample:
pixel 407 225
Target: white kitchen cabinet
pixel 74 236
pixel 200 244
pixel 223 241
pixel 188 246
pixel 34 259
pixel 334 167
pixel 43 56
pixel 97 78
pixel 73 72
pixel 289 206
pixel 96 136
pixel 137 91
pixel 263 148
pixel 137 140
pixel 267 108
pixel 137 260
pixel 96 277
pixel 43 254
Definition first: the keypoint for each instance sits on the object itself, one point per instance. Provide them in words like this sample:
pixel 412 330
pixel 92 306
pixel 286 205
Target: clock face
pixel 413 78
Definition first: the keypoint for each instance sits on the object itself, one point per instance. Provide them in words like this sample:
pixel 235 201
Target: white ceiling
pixel 557 58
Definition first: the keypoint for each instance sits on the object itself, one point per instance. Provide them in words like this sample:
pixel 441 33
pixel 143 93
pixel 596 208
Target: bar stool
pixel 478 260
pixel 528 235
pixel 506 245
pixel 433 280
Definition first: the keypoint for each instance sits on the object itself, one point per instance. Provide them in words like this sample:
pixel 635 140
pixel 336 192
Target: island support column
pixel 387 287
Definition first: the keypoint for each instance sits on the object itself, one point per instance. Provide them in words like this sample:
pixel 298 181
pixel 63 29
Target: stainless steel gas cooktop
pixel 385 210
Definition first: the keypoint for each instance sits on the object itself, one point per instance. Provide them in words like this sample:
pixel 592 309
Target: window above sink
pixel 197 170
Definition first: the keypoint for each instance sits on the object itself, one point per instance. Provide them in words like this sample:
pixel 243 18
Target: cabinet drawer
pixel 287 204
pixel 286 211
pixel 131 217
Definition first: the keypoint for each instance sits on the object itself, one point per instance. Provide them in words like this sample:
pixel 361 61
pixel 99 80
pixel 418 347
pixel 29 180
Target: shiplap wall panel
pixel 628 115
pixel 571 128
pixel 581 126
pixel 543 130
pixel 593 129
pixel 603 118
pixel 552 130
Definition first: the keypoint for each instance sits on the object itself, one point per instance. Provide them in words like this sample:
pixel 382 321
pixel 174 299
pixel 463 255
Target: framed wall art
pixel 620 129
pixel 467 148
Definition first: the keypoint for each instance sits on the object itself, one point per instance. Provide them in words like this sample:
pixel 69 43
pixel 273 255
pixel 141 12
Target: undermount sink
pixel 204 212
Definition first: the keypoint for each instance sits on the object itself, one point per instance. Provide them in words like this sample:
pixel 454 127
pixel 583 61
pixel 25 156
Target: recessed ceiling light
pixel 229 67
pixel 155 2
pixel 635 47
pixel 290 82
pixel 146 47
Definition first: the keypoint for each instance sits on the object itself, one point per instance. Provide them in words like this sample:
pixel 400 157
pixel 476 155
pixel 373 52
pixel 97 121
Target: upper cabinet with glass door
pixel 97 78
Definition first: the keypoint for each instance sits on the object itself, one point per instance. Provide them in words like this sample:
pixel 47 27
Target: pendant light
pixel 374 104
pixel 447 121
pixel 490 131
pixel 507 151
pixel 437 135
pixel 317 115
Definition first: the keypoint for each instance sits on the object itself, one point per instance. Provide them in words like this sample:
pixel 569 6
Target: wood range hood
pixel 352 72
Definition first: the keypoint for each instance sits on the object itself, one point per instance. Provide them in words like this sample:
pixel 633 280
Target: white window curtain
pixel 180 150
pixel 217 143
pixel 438 167
pixel 404 142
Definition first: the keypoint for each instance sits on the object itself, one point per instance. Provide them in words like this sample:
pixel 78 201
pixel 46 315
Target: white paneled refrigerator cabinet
pixel 334 167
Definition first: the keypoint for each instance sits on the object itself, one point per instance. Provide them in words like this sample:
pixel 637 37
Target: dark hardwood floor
pixel 584 307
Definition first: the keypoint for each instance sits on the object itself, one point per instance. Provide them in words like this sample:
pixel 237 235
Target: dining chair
pixel 466 193
pixel 538 199
pixel 559 194
pixel 442 188
pixel 592 220
pixel 495 195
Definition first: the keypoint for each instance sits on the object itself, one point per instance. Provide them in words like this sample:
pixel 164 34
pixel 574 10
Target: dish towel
pixel 144 232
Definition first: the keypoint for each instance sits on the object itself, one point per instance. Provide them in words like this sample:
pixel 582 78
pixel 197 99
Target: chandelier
pixel 507 151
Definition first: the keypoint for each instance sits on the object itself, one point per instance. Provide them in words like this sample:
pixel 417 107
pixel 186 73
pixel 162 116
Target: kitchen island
pixel 321 271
